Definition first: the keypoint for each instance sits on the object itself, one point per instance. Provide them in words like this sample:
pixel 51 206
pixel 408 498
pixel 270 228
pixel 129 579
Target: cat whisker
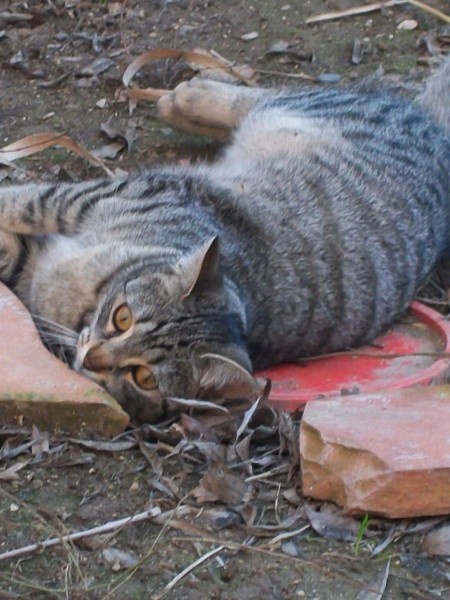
pixel 51 338
pixel 54 325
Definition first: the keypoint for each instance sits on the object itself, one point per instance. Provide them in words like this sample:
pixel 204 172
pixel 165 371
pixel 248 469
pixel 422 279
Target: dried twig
pixel 360 10
pixel 152 514
pixel 188 570
pixel 354 10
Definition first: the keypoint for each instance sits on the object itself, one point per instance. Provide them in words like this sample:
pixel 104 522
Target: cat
pixel 310 234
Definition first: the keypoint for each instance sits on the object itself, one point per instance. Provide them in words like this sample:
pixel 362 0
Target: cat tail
pixel 435 98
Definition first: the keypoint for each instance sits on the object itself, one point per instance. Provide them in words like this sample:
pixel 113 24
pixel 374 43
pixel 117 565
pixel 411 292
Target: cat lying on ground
pixel 309 235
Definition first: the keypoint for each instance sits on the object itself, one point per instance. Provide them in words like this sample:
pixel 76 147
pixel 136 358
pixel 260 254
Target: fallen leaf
pixel 40 441
pixel 10 474
pixel 247 418
pixel 425 567
pixel 109 128
pixel 220 484
pixel 32 144
pixel 98 66
pixel 407 25
pixel 376 588
pixel 288 49
pixel 118 559
pixel 333 525
pixel 197 428
pixel 358 52
pixel 291 549
pixel 218 518
pixel 437 542
pixel 12 17
pixel 248 37
pixel 109 151
pixel 154 94
pixel 119 446
pixel 150 451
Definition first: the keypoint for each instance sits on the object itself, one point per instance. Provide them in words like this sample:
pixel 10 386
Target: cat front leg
pixel 32 209
pixel 206 107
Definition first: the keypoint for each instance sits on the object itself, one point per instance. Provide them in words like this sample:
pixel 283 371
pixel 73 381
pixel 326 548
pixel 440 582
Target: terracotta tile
pixel 386 453
pixel 38 389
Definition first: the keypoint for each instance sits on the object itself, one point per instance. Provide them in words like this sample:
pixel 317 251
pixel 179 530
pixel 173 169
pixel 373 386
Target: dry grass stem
pixel 110 526
pixel 189 569
pixel 360 10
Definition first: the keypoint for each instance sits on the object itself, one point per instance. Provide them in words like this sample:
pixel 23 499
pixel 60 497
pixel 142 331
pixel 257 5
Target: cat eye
pixel 122 318
pixel 144 378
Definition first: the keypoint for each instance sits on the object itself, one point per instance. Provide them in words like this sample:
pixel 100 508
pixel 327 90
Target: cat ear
pixel 200 272
pixel 223 377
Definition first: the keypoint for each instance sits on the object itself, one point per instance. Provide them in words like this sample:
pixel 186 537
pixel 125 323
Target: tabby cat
pixel 309 235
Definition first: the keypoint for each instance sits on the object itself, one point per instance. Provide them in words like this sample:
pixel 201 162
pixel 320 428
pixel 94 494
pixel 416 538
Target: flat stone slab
pixel 38 389
pixel 386 453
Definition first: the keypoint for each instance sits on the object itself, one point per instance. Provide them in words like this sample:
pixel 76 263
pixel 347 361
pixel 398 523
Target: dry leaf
pixel 437 542
pixel 109 151
pixel 9 474
pixel 119 446
pixel 407 25
pixel 32 144
pixel 150 451
pixel 375 589
pixel 98 66
pixel 248 37
pixel 333 525
pixel 246 72
pixel 358 52
pixel 118 559
pixel 220 484
pixel 218 518
pixel 247 418
pixel 40 441
pixel 162 53
pixel 154 94
pixel 197 428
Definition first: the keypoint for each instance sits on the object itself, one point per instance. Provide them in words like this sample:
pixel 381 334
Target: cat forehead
pixel 149 284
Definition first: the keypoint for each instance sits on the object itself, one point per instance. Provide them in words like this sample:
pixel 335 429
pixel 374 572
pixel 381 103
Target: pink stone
pixel 386 453
pixel 38 389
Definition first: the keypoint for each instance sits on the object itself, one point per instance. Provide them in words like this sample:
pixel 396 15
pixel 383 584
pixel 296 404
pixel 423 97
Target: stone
pixel 38 389
pixel 386 453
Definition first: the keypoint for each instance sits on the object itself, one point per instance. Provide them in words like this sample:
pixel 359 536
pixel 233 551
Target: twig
pixel 282 74
pixel 188 569
pixel 286 535
pixel 110 526
pixel 433 11
pixel 354 10
pixel 360 10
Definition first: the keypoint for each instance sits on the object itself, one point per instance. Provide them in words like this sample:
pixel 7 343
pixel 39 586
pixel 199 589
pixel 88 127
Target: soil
pixel 60 486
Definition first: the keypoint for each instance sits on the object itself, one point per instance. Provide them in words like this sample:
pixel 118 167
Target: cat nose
pixel 96 359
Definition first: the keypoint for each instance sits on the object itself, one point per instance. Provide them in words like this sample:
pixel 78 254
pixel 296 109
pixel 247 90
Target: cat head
pixel 168 334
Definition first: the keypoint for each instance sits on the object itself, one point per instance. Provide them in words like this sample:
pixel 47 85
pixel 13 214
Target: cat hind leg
pixel 206 107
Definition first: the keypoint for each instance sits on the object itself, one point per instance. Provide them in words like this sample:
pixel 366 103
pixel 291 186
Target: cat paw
pixel 206 107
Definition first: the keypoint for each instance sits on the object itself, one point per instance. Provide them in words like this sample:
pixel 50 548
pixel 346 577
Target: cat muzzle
pixel 96 359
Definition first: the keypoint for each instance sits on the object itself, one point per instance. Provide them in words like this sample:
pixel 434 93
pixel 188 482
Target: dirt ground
pixel 60 70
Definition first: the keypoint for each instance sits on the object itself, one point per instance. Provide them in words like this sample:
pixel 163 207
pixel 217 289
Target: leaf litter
pixel 235 473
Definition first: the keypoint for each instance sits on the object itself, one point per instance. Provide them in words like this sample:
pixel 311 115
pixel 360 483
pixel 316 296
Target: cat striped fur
pixel 310 234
